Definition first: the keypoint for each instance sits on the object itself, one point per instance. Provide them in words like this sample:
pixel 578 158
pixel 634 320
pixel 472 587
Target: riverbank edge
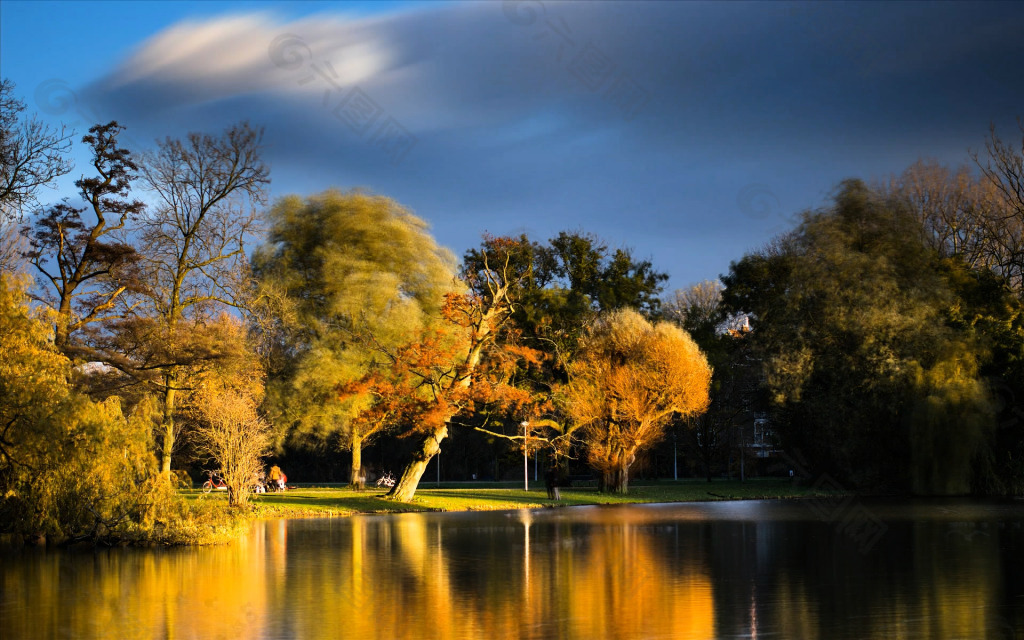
pixel 341 501
pixel 270 507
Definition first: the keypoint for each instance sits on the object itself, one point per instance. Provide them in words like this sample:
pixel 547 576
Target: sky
pixel 689 132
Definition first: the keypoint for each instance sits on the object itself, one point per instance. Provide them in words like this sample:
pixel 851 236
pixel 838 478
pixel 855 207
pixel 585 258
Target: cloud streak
pixel 643 122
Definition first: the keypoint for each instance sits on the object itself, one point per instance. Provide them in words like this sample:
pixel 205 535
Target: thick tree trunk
pixel 405 488
pixel 356 480
pixel 167 427
pixel 616 480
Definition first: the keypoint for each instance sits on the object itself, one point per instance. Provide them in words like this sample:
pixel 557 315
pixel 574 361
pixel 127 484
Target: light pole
pixel 675 456
pixel 526 458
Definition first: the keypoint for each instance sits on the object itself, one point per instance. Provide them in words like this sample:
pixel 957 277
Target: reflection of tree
pixel 806 580
pixel 613 573
pixel 412 576
pixel 200 593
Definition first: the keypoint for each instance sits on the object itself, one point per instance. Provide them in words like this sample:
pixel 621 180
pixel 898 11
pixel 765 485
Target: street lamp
pixel 526 458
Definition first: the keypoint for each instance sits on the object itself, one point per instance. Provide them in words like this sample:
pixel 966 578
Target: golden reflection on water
pixel 618 574
pixel 205 593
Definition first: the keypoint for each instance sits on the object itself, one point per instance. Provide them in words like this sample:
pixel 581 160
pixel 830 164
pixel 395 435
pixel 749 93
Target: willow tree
pixel 351 277
pixel 874 348
pixel 70 467
pixel 628 380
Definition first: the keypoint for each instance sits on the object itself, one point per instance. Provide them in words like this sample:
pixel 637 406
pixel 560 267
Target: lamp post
pixel 526 458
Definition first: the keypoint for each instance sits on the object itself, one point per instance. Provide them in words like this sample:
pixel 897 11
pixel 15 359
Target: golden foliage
pixel 629 378
pixel 229 428
pixel 70 468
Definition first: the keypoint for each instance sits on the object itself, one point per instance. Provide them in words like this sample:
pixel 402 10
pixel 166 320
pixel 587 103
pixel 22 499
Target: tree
pixel 962 216
pixel 229 428
pixel 206 190
pixel 1004 173
pixel 696 308
pixel 70 468
pixel 628 380
pixel 353 276
pixel 452 367
pixel 558 289
pixel 84 262
pixel 854 334
pixel 32 155
pixel 1004 168
pixel 564 283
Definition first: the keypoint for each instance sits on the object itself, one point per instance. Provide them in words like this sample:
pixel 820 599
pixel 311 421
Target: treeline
pixel 167 320
pixel 182 346
pixel 887 331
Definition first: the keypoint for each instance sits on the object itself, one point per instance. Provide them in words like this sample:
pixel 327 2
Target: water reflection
pixel 685 571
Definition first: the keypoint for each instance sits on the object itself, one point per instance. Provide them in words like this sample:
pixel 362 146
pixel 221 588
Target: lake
pixel 846 568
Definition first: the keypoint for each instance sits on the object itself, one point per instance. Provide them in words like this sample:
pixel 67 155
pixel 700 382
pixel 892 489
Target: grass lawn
pixel 323 501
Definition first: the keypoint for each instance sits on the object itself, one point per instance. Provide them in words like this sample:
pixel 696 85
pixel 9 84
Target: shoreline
pixel 341 501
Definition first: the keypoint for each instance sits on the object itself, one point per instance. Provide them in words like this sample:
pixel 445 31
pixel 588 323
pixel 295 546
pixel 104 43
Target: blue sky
pixel 690 132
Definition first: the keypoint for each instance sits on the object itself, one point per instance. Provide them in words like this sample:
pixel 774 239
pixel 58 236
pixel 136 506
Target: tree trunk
pixel 405 488
pixel 167 427
pixel 356 480
pixel 62 330
pixel 616 480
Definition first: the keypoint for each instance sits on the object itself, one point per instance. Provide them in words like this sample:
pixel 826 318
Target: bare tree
pixel 1004 168
pixel 81 258
pixel 949 204
pixel 695 306
pixel 207 190
pixel 32 155
pixel 12 247
pixel 1004 171
pixel 230 430
pixel 977 219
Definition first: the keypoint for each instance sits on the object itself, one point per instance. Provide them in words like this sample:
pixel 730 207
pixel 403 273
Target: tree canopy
pixel 869 377
pixel 628 380
pixel 352 277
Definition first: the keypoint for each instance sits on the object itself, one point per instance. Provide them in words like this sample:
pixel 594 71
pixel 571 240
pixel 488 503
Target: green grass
pixel 322 501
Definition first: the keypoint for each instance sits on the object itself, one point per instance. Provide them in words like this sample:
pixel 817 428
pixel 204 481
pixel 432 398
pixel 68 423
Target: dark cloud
pixel 647 123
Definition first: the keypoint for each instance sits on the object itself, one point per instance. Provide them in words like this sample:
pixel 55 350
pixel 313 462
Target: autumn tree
pixel 351 277
pixel 559 287
pixel 206 190
pixel 70 468
pixel 452 367
pixel 627 381
pixel 84 264
pixel 229 428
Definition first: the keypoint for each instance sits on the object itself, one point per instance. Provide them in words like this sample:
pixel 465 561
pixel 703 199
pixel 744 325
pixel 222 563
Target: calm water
pixel 852 569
